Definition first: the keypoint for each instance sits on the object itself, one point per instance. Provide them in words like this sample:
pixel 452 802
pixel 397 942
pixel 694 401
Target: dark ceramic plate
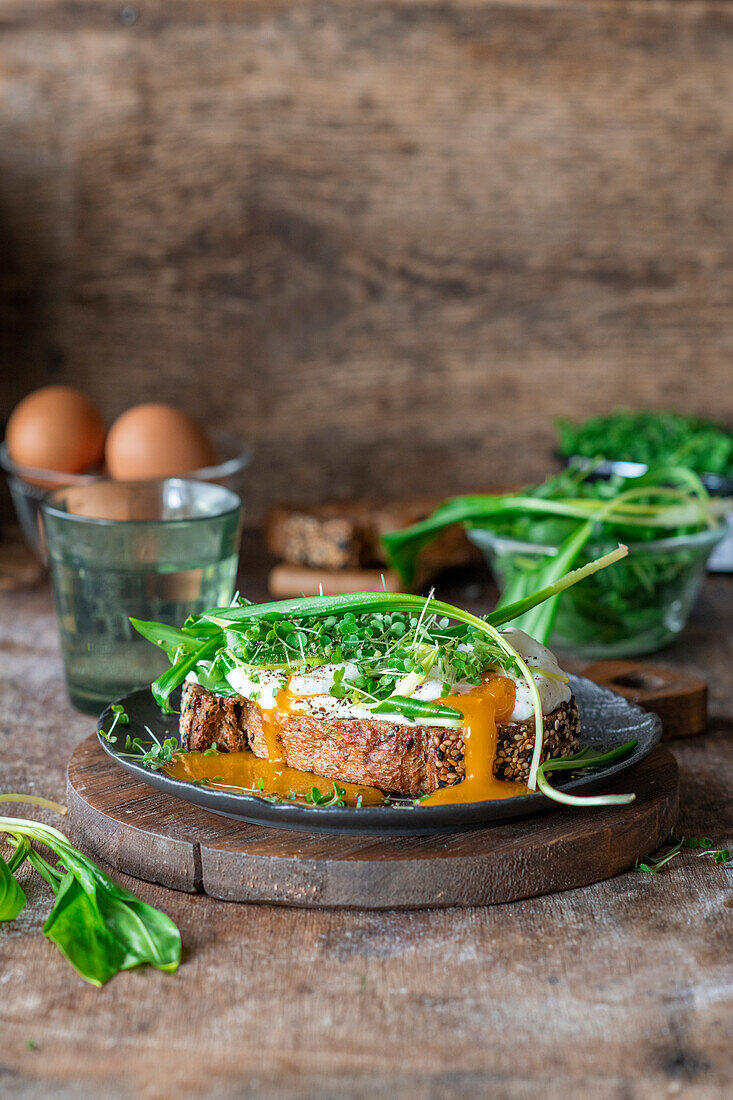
pixel 607 720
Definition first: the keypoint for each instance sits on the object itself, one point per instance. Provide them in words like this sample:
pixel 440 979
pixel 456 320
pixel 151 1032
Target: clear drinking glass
pixel 117 550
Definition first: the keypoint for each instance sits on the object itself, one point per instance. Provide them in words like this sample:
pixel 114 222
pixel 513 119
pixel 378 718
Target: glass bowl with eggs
pixel 56 437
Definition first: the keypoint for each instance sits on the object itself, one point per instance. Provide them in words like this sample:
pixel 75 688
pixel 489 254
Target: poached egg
pixel 308 690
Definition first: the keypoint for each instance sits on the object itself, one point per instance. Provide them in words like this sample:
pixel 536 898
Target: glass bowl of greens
pixel 631 441
pixel 531 538
pixel 638 606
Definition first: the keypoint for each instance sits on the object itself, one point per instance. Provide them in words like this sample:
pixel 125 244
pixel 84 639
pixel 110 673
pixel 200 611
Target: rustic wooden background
pixel 385 241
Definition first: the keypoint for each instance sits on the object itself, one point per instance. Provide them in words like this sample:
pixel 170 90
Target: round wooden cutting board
pixel 161 839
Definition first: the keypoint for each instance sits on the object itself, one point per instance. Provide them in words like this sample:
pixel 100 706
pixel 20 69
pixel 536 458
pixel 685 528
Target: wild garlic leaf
pixel 147 935
pixel 142 933
pixel 100 927
pixel 76 926
pixel 171 639
pixel 12 898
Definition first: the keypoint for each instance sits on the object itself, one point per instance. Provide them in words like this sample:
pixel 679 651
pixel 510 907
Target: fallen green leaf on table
pixel 652 865
pixel 99 926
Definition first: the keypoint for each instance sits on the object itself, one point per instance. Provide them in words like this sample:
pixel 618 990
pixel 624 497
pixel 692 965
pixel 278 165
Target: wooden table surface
pixel 623 989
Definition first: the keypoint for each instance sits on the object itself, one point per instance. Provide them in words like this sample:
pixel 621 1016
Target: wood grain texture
pixel 386 242
pixel 147 834
pixel 619 991
pixel 680 699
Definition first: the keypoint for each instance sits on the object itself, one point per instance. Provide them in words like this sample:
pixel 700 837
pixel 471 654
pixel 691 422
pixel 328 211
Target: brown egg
pixel 56 428
pixel 156 441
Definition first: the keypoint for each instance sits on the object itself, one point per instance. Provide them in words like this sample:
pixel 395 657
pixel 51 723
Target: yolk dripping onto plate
pixel 487 704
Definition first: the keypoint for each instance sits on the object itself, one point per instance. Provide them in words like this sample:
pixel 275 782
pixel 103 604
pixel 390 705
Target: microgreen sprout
pixel 337 797
pixel 153 756
pixel 652 865
pixel 119 718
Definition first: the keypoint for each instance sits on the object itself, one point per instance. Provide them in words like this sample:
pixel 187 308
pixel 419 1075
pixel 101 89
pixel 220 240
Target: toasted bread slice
pixel 398 759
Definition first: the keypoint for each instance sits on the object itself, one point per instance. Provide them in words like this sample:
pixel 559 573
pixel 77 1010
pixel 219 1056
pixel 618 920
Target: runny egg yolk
pixel 489 703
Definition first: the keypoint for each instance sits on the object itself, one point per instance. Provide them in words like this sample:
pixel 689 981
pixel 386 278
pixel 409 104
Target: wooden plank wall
pixel 385 241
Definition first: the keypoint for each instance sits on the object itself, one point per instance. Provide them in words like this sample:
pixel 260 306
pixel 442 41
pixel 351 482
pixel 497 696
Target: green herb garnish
pixel 586 758
pixel 416 709
pixel 337 797
pixel 119 718
pixel 153 756
pixel 652 438
pixel 652 865
pixel 99 926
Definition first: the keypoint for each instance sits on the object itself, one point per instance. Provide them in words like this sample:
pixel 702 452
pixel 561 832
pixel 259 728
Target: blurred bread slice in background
pixel 340 540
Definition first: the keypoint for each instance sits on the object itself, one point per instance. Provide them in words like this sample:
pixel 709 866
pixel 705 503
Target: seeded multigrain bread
pixel 398 759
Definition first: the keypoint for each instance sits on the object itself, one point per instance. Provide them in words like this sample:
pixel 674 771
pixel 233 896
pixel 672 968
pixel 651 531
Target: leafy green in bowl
pixel 635 608
pixel 650 438
pixel 666 517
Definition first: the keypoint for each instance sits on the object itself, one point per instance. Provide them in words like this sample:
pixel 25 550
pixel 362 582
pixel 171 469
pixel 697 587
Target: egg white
pixel 311 689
